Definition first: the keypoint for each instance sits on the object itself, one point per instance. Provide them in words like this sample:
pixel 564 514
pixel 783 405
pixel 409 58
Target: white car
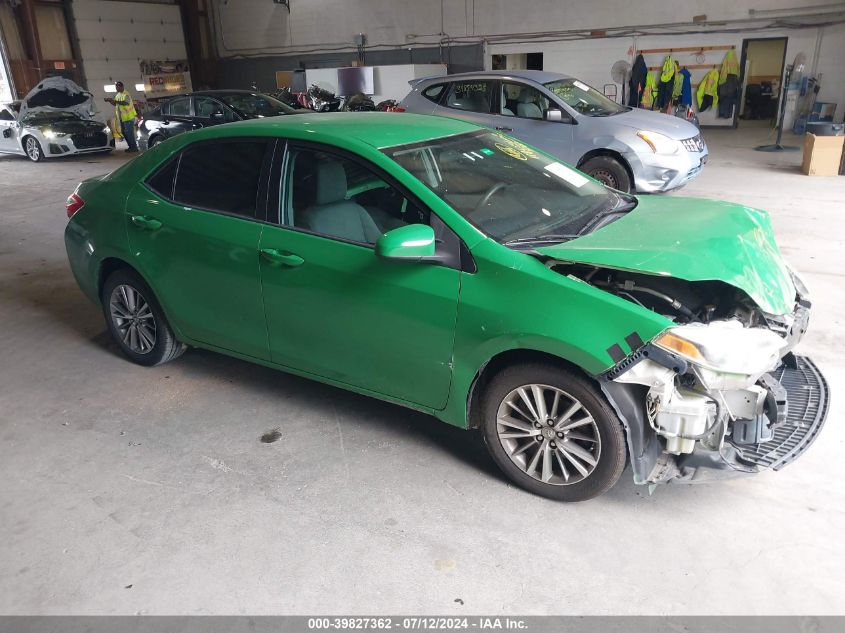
pixel 56 118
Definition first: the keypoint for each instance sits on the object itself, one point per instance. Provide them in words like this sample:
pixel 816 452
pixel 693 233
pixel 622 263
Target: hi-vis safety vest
pixel 649 91
pixel 729 67
pixel 668 69
pixel 125 109
pixel 709 86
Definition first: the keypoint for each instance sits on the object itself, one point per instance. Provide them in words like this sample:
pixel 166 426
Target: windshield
pixel 41 118
pixel 503 187
pixel 252 106
pixel 583 98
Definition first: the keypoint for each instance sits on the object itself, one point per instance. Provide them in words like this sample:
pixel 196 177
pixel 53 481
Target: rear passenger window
pixel 162 181
pixel 178 107
pixel 433 93
pixel 473 95
pixel 221 176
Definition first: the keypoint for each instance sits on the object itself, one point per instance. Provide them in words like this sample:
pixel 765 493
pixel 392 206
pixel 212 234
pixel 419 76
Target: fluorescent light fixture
pixel 139 87
pixel 110 88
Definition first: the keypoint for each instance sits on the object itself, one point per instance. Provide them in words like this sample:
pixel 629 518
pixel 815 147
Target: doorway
pixel 517 61
pixel 761 73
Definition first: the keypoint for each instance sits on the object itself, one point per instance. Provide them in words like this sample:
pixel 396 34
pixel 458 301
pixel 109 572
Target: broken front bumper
pixel 798 393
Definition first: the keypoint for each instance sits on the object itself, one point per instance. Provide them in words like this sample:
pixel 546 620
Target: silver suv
pixel 625 148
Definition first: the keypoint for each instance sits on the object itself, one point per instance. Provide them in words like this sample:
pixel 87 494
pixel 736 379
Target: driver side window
pixel 522 101
pixel 336 197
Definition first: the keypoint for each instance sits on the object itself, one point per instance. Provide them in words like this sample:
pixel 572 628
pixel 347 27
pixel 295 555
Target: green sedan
pixel 438 265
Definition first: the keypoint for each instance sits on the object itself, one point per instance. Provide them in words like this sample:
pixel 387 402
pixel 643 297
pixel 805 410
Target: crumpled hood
pixel 57 94
pixel 694 240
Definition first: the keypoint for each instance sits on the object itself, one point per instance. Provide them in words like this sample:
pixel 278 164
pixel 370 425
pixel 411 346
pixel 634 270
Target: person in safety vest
pixel 125 115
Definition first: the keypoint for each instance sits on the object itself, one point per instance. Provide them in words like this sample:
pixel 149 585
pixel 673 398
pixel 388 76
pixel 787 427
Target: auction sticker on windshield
pixel 569 175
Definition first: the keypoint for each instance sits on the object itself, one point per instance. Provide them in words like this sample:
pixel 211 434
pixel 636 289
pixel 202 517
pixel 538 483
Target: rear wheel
pixel 136 321
pixel 608 171
pixel 552 433
pixel 33 149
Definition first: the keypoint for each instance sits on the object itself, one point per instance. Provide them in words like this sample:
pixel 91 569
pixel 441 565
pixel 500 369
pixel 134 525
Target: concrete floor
pixel 130 490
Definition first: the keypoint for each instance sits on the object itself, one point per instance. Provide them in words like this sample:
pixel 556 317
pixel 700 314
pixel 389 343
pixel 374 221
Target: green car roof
pixel 378 129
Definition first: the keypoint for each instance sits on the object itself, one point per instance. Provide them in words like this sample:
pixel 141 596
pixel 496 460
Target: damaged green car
pixel 449 269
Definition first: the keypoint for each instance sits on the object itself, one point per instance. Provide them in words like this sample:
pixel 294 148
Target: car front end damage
pixel 720 393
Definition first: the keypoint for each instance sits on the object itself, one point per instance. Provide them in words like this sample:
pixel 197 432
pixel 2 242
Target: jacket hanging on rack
pixel 707 94
pixel 649 92
pixel 729 66
pixel 637 81
pixel 667 83
pixel 685 97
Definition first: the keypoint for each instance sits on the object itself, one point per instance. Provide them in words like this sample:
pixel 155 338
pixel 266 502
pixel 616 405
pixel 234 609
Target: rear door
pixel 194 232
pixel 468 99
pixel 177 117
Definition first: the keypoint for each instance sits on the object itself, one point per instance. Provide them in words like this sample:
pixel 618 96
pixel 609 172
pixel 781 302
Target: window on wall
pixel 52 32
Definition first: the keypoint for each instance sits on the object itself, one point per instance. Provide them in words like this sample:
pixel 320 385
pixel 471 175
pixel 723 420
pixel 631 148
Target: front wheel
pixel 552 433
pixel 33 149
pixel 609 172
pixel 136 321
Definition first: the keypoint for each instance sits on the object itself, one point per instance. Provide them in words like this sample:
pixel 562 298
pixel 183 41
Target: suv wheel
pixel 609 172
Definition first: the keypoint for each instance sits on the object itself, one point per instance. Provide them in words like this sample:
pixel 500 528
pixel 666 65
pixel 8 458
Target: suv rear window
pixel 433 93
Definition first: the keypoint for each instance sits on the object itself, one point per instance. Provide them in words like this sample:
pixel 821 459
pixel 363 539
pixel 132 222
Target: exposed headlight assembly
pixel 660 143
pixel 50 134
pixel 725 347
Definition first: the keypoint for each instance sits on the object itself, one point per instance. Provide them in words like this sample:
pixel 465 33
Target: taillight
pixel 74 204
pixel 396 109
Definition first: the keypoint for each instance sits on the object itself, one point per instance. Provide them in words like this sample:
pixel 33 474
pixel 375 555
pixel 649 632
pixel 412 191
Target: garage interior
pixel 213 486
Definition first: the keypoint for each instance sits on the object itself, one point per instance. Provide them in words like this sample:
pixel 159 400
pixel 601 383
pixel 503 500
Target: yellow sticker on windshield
pixel 515 149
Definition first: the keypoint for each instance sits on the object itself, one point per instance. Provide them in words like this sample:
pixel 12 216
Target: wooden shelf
pixel 689 66
pixel 685 49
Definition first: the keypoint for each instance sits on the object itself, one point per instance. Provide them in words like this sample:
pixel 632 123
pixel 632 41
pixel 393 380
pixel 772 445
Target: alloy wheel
pixel 133 319
pixel 548 434
pixel 33 149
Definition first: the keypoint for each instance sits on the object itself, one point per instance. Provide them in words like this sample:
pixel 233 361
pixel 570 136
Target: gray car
pixel 629 149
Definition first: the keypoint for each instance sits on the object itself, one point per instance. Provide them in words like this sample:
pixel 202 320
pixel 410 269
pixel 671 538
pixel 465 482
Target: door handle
pixel 144 222
pixel 504 128
pixel 278 257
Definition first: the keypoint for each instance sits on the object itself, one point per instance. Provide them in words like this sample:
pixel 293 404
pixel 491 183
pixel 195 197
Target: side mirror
pixel 413 242
pixel 553 114
pixel 7 133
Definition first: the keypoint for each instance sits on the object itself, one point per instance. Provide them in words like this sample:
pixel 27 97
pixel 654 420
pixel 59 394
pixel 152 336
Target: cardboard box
pixel 822 155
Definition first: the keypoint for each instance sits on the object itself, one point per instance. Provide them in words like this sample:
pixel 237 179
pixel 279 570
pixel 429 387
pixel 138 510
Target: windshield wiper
pixel 552 238
pixel 622 205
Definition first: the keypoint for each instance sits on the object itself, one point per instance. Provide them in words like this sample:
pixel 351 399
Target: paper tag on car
pixel 569 175
pixel 580 85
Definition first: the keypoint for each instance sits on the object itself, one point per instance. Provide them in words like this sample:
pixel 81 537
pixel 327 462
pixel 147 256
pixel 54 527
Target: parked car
pixel 204 109
pixel 629 149
pixel 56 118
pixel 457 271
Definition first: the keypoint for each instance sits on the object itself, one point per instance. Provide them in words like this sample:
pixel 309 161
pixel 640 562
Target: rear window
pixel 433 93
pixel 162 181
pixel 221 176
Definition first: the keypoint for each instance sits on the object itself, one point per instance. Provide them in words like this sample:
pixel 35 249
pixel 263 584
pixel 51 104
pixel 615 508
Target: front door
pixel 194 236
pixel 521 112
pixel 333 307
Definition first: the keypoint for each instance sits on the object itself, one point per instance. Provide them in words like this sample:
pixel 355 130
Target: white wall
pixel 592 59
pixel 388 81
pixel 254 28
pixel 115 36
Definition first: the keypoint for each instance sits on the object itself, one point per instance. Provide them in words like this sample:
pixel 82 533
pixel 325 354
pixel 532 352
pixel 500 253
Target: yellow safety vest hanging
pixel 709 86
pixel 729 66
pixel 649 91
pixel 678 86
pixel 125 109
pixel 668 69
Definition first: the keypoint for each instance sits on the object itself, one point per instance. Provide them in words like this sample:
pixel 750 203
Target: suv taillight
pixel 74 204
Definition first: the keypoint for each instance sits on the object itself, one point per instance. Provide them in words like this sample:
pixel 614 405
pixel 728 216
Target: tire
pixel 32 149
pixel 556 467
pixel 153 142
pixel 143 333
pixel 608 171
